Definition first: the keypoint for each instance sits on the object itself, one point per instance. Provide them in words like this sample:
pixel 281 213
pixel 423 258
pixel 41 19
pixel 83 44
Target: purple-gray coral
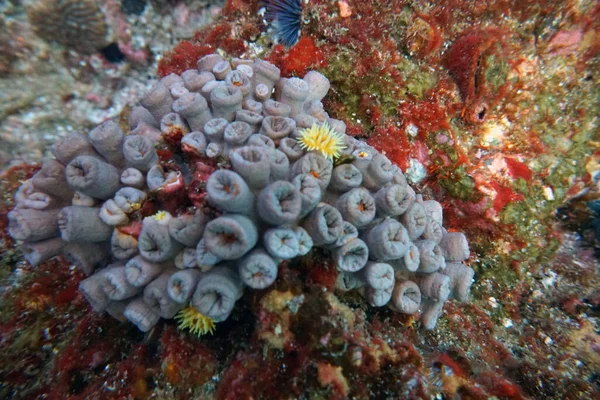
pixel 268 200
pixel 258 270
pixel 231 236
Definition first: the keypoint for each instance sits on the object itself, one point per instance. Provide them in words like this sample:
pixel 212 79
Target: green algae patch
pixel 459 184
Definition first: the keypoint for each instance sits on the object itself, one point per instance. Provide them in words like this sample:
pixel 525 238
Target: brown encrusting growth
pixel 75 24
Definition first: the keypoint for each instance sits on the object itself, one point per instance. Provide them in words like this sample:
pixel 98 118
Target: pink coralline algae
pixel 210 190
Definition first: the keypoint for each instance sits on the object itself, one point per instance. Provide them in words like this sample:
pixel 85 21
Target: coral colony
pixel 227 171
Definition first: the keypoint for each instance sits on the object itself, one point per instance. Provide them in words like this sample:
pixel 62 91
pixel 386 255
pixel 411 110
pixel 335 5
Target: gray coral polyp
pixel 140 272
pixel 387 240
pixel 221 70
pixel 123 246
pixel 377 173
pixel 214 129
pixel 415 220
pixel 294 92
pixel 279 203
pixel 186 258
pixel 291 148
pixel 32 225
pixel 193 80
pixel 265 73
pixel 107 139
pixel 379 276
pixel 324 224
pixel 430 255
pixel 352 256
pixel 207 62
pixel 157 296
pixel 116 285
pixel 305 242
pixel 143 315
pixel 158 101
pixel 148 131
pixel 258 269
pixel 217 292
pixel 252 118
pixel 315 165
pixel 280 165
pixel 139 152
pixel 188 228
pixel 87 256
pixel 83 224
pixel 172 122
pixel 133 178
pixel 140 114
pixel 237 133
pixel 205 260
pixel 435 286
pixel 378 297
pixel 389 200
pixel 129 199
pixel 262 92
pixel 37 252
pixel 253 164
pixel 194 108
pixel 158 179
pixel 455 246
pixel 93 177
pixel 349 232
pixel 194 142
pixel 73 145
pixel 238 79
pixel 344 178
pixel 277 127
pixel 225 101
pixel 461 279
pixel 318 85
pixel 406 297
pixel 281 243
pixel 357 207
pixel 51 179
pixel 111 214
pixel 182 284
pixel 231 236
pixel 276 202
pixel 155 243
pixel 274 108
pixel 310 192
pixel 253 106
pixel 93 289
pixel 261 141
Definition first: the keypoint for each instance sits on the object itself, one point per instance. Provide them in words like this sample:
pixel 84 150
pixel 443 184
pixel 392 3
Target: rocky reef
pixel 490 109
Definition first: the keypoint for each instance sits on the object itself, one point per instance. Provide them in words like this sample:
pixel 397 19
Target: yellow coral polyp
pixel 322 138
pixel 197 323
pixel 159 216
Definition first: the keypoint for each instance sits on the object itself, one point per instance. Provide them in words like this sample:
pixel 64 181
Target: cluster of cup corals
pixel 266 197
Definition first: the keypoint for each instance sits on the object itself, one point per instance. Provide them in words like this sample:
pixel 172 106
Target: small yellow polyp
pixel 197 323
pixel 322 138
